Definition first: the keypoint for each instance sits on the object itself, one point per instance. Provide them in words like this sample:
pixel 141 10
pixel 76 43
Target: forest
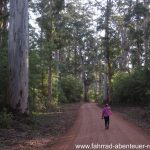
pixel 56 52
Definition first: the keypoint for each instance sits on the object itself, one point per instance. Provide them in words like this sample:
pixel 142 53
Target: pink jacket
pixel 106 112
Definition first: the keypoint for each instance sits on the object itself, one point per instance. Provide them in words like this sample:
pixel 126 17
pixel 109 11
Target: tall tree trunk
pixel 50 79
pixel 42 60
pixel 100 83
pixel 83 75
pixel 107 49
pixel 85 91
pixel 146 36
pixel 139 48
pixel 49 37
pixel 105 87
pixel 18 55
pixel 75 59
pixel 57 53
pixel 125 48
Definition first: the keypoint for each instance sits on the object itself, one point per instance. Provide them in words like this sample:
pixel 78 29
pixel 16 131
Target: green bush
pixel 70 90
pixel 5 119
pixel 131 88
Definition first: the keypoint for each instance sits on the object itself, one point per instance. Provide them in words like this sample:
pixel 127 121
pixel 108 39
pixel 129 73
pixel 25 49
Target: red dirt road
pixel 89 128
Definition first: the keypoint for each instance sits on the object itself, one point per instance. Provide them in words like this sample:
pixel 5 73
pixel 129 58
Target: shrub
pixel 131 88
pixel 5 118
pixel 70 90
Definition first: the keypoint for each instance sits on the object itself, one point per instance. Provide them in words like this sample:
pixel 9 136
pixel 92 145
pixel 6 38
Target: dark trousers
pixel 106 122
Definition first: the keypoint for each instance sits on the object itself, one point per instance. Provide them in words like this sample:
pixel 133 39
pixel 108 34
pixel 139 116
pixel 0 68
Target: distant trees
pixel 126 41
pixel 71 42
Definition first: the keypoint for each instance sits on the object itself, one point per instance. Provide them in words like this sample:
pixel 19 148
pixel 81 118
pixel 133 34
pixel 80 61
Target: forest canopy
pixel 63 51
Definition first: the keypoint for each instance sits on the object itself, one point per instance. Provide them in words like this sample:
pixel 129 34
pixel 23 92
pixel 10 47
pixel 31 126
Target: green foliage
pixel 100 100
pixel 3 68
pixel 38 90
pixel 70 90
pixel 92 95
pixel 140 10
pixel 5 119
pixel 131 88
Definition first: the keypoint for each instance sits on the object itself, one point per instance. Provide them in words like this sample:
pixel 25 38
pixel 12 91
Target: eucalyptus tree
pixel 114 42
pixel 131 22
pixel 84 45
pixel 107 47
pixel 146 29
pixel 137 34
pixel 120 23
pixel 49 12
pixel 18 56
pixel 104 22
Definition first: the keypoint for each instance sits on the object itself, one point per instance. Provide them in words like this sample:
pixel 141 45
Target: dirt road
pixel 89 128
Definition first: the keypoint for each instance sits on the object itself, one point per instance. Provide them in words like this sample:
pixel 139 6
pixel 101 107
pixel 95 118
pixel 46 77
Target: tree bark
pixel 105 87
pixel 75 59
pixel 18 56
pixel 125 48
pixel 50 54
pixel 42 59
pixel 85 89
pixel 139 47
pixel 146 36
pixel 50 79
pixel 107 49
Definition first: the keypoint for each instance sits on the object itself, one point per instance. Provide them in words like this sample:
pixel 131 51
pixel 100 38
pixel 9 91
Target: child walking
pixel 106 112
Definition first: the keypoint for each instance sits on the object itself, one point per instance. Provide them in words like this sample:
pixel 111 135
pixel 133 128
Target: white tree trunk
pixel 125 48
pixel 107 49
pixel 139 48
pixel 18 55
pixel 146 45
pixel 50 80
pixel 105 87
pixel 50 36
